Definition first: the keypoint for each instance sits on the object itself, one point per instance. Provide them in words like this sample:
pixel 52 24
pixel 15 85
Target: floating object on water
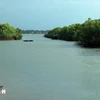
pixel 27 40
pixel 1 86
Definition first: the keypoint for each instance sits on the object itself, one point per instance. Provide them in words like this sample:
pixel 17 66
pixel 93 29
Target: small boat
pixel 27 40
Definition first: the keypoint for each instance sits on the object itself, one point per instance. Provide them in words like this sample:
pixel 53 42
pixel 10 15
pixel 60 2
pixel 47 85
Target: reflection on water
pixel 48 70
pixel 90 52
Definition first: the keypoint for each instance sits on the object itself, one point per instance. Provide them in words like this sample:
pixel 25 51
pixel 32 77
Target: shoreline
pixel 7 38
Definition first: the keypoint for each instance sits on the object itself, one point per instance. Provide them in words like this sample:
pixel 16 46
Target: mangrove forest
pixel 8 32
pixel 86 34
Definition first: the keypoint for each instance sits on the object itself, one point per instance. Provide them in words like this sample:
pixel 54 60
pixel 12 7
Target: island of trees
pixel 86 34
pixel 8 32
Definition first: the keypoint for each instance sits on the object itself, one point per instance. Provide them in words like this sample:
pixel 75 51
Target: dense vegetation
pixel 8 32
pixel 86 34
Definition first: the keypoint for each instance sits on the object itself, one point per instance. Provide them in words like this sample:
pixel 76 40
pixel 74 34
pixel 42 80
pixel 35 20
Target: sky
pixel 47 14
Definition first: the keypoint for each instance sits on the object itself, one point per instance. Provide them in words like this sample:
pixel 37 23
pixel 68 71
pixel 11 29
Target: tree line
pixel 34 31
pixel 8 32
pixel 86 34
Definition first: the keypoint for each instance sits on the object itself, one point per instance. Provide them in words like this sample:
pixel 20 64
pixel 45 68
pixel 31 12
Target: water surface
pixel 48 70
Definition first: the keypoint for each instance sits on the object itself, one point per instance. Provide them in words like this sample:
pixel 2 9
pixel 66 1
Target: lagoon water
pixel 48 70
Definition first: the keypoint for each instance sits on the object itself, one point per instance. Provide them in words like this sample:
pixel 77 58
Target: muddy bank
pixel 6 38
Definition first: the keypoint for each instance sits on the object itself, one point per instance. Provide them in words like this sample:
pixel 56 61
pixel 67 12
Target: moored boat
pixel 27 40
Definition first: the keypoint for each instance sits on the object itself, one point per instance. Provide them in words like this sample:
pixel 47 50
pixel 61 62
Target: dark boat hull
pixel 27 40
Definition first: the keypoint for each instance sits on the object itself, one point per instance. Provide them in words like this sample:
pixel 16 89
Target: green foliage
pixel 86 34
pixel 67 33
pixel 90 33
pixel 9 32
pixel 53 33
pixel 18 34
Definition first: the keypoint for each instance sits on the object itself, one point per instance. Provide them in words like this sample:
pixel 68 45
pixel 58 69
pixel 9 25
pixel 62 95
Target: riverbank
pixel 7 38
pixel 86 34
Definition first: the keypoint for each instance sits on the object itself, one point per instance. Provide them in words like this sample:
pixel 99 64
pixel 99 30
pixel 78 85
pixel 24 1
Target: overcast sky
pixel 47 14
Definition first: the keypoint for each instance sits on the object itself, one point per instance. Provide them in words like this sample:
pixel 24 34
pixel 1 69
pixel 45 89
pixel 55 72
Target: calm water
pixel 48 70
